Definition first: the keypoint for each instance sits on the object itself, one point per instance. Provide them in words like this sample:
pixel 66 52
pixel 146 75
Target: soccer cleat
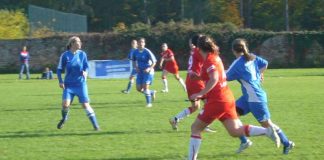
pixel 149 105
pixel 244 146
pixel 153 95
pixel 165 91
pixel 125 91
pixel 286 149
pixel 209 130
pixel 97 128
pixel 273 135
pixel 60 124
pixel 174 123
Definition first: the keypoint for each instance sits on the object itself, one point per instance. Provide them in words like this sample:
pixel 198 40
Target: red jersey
pixel 170 66
pixel 195 62
pixel 220 92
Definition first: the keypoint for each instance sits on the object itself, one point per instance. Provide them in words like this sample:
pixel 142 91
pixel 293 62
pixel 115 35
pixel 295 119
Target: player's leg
pixel 27 71
pixel 66 101
pixel 262 114
pixel 242 108
pixel 130 82
pixel 84 100
pixel 177 77
pixel 183 114
pixel 22 67
pixel 165 81
pixel 195 140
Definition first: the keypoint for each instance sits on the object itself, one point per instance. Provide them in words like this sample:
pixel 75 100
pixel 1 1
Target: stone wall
pixel 278 50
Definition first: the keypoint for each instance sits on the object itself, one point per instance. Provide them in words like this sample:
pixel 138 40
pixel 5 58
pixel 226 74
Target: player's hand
pixel 62 85
pixel 84 74
pixel 160 66
pixel 262 77
pixel 147 70
pixel 196 97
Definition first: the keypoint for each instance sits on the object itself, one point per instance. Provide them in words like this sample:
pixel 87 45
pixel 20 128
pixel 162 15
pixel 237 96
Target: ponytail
pixel 240 46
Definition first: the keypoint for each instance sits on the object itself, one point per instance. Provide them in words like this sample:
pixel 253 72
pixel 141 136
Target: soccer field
pixel 30 111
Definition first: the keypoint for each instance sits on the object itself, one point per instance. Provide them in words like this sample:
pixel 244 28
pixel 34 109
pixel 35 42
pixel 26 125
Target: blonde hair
pixel 240 46
pixel 70 41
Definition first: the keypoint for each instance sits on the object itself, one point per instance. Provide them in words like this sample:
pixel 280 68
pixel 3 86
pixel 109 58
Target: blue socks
pixel 283 138
pixel 148 96
pixel 129 86
pixel 243 139
pixel 65 113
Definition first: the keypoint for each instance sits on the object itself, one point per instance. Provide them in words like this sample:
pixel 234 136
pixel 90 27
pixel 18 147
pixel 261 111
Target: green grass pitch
pixel 30 111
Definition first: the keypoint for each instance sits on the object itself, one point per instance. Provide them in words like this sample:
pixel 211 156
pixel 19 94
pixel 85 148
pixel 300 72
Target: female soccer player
pixel 145 62
pixel 248 70
pixel 75 64
pixel 220 101
pixel 193 83
pixel 170 66
pixel 133 72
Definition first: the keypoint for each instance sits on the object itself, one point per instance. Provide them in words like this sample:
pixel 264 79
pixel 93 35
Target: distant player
pixel 248 70
pixel 75 64
pixel 133 72
pixel 220 101
pixel 170 66
pixel 145 62
pixel 24 60
pixel 193 83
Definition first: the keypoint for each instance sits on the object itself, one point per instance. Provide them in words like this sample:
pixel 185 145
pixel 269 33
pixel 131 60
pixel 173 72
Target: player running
pixel 248 70
pixel 170 66
pixel 133 72
pixel 220 102
pixel 75 64
pixel 145 62
pixel 193 83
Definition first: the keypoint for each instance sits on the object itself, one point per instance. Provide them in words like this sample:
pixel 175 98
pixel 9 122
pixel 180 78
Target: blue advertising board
pixel 109 68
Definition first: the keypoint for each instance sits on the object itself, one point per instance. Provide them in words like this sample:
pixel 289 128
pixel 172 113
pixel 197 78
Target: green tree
pixel 13 24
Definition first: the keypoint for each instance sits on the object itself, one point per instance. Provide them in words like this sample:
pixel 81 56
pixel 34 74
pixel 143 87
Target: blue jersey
pixel 249 75
pixel 74 65
pixel 144 58
pixel 130 54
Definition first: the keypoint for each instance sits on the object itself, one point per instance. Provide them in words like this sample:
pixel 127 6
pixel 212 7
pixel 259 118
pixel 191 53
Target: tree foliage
pixel 13 24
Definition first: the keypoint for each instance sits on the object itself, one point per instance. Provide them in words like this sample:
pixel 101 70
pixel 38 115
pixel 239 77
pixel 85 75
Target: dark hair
pixel 141 38
pixel 194 39
pixel 240 45
pixel 207 44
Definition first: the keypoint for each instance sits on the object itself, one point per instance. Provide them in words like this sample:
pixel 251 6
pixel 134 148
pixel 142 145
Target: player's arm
pixel 211 83
pixel 153 59
pixel 85 66
pixel 60 68
pixel 161 62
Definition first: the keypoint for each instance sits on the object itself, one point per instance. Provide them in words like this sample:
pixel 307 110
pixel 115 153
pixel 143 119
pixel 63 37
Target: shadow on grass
pixel 38 134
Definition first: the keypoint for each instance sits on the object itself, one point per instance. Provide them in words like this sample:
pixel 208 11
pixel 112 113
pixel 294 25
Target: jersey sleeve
pixel 85 62
pixel 152 57
pixel 133 56
pixel 60 68
pixel 232 73
pixel 261 62
pixel 130 54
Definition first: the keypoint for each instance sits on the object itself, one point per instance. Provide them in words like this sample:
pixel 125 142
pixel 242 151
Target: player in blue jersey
pixel 133 72
pixel 145 62
pixel 75 64
pixel 248 70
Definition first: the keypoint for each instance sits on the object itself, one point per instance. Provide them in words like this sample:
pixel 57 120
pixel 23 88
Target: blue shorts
pixel 133 73
pixel 259 110
pixel 80 91
pixel 144 78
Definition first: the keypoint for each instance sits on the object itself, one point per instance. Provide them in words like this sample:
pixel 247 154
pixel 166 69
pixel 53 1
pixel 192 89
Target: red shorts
pixel 171 68
pixel 217 110
pixel 193 86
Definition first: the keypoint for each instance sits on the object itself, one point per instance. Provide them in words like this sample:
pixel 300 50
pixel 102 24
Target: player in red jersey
pixel 193 83
pixel 170 66
pixel 220 101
